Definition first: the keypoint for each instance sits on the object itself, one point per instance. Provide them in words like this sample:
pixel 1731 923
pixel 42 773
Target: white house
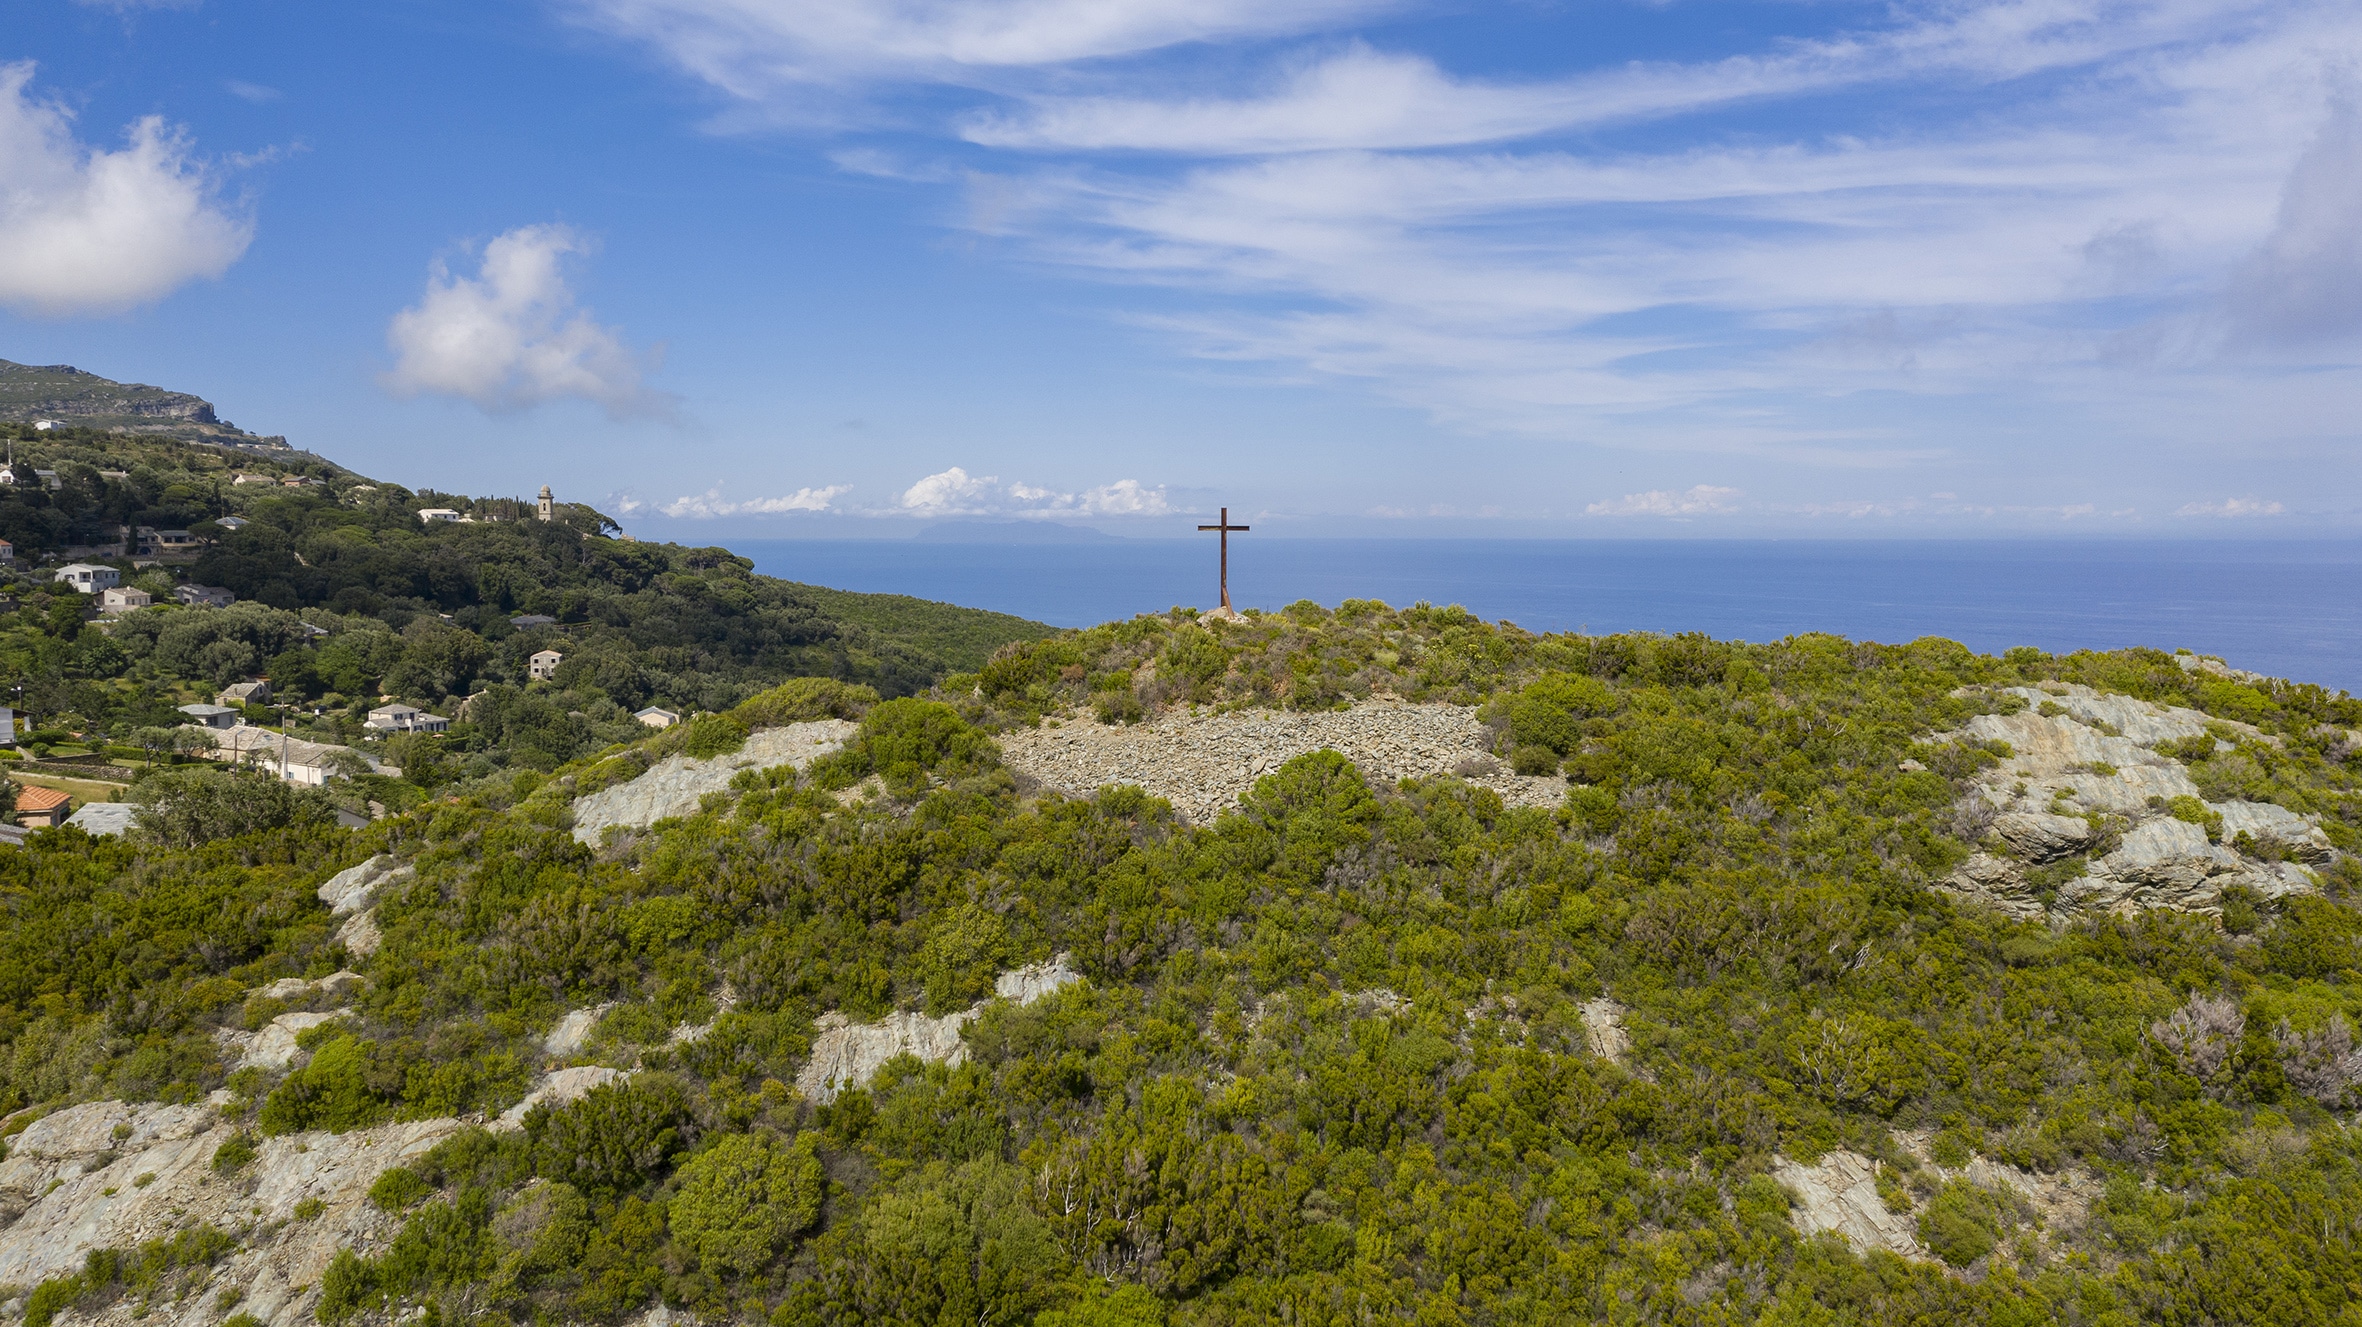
pixel 405 719
pixel 544 664
pixel 656 718
pixel 124 599
pixel 88 578
pixel 232 522
pixel 430 515
pixel 44 425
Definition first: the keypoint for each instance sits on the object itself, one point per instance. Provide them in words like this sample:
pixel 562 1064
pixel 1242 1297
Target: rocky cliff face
pixel 30 392
pixel 2085 779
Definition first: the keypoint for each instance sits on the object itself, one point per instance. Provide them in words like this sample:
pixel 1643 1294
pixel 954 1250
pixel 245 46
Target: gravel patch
pixel 1201 762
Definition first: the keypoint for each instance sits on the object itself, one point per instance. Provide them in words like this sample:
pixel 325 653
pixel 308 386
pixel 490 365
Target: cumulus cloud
pixel 711 503
pixel 84 230
pixel 512 336
pixel 955 492
pixel 1702 500
pixel 2233 508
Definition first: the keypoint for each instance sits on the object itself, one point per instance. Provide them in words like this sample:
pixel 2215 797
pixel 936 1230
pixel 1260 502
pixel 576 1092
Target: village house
pixel 232 522
pixel 430 515
pixel 7 553
pixel 149 542
pixel 212 716
pixel 245 693
pixel 42 807
pixel 290 759
pixel 253 479
pixel 656 718
pixel 544 664
pixel 124 599
pixel 87 578
pixel 204 596
pixel 405 719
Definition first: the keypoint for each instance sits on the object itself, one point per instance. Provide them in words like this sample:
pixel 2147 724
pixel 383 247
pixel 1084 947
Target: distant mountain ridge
pixel 30 393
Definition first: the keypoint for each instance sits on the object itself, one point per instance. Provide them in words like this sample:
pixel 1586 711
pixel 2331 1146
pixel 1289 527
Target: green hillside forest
pixel 1328 1061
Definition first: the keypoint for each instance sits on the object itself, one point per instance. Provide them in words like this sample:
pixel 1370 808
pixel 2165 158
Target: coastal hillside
pixel 69 396
pixel 312 595
pixel 1334 965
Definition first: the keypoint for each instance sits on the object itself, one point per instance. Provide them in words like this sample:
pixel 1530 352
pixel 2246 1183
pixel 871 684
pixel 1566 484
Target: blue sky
pixel 740 267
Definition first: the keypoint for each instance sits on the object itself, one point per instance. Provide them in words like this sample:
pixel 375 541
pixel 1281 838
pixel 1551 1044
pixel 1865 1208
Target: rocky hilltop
pixel 1336 965
pixel 31 393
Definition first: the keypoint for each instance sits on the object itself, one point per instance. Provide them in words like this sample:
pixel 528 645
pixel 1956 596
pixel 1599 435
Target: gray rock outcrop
pixel 2075 777
pixel 675 785
pixel 558 1089
pixel 79 1188
pixel 1840 1193
pixel 848 1054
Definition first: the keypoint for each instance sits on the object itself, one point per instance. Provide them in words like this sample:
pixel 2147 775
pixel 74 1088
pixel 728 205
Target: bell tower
pixel 547 508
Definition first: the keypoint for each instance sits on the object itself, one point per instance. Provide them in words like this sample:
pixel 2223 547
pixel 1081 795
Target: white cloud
pixel 711 503
pixel 254 92
pixel 761 49
pixel 511 336
pixel 955 492
pixel 1702 500
pixel 2304 283
pixel 83 230
pixel 2232 508
pixel 2101 173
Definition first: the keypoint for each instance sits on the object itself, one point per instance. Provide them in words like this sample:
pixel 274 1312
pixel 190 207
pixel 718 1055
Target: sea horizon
pixel 2282 607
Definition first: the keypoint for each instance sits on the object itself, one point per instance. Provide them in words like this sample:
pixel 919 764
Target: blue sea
pixel 2288 609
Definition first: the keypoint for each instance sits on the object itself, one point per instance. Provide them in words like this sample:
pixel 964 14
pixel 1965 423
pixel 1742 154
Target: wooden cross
pixel 1225 527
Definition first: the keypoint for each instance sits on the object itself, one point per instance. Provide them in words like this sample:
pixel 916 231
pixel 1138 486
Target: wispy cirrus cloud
pixel 2050 207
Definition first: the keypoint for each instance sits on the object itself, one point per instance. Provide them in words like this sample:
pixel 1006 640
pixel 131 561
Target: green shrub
pixel 333 1092
pixel 743 1199
pixel 2191 810
pixel 1534 760
pixel 618 1137
pixel 397 1188
pixel 803 700
pixel 235 1154
pixel 903 741
pixel 186 808
pixel 1961 1223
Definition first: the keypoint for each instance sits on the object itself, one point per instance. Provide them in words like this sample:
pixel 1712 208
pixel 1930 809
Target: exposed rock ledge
pixel 2067 766
pixel 848 1054
pixel 98 1203
pixel 675 785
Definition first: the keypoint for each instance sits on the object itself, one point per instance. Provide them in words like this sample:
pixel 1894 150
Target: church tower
pixel 547 509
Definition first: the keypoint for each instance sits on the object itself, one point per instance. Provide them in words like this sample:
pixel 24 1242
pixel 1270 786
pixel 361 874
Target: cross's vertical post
pixel 1225 527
